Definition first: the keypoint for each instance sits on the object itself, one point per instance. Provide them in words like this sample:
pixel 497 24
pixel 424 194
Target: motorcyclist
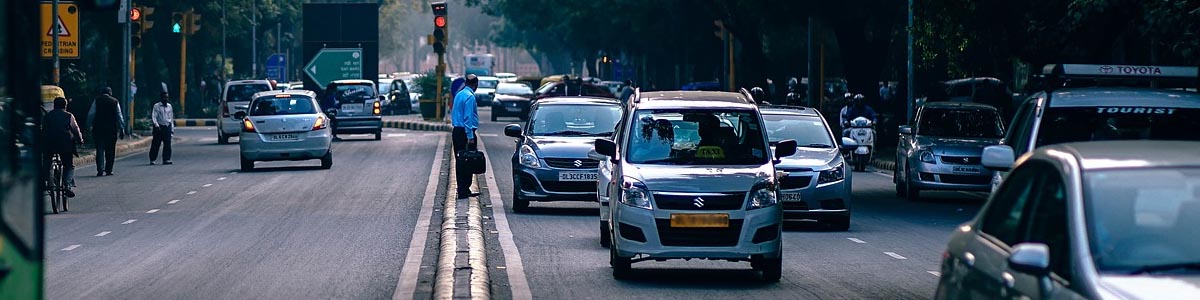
pixel 856 107
pixel 795 95
pixel 759 96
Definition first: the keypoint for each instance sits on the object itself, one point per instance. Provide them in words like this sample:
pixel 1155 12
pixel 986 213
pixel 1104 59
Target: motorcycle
pixel 862 131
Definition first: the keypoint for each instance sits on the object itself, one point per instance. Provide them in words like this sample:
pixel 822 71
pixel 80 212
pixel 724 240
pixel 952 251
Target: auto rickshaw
pixel 49 93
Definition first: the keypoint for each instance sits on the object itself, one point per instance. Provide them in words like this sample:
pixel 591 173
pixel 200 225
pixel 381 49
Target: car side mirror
pixel 606 147
pixel 906 130
pixel 382 98
pixel 331 112
pixel 513 130
pixel 784 148
pixel 239 115
pixel 849 143
pixel 998 158
pixel 1030 258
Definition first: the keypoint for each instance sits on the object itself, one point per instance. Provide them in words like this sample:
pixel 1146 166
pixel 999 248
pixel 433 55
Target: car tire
pixel 327 161
pixel 901 185
pixel 771 269
pixel 860 162
pixel 911 192
pixel 222 139
pixel 247 165
pixel 605 235
pixel 379 135
pixel 520 205
pixel 839 223
pixel 622 267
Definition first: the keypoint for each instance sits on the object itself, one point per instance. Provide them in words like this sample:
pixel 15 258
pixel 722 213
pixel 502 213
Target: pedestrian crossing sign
pixel 66 27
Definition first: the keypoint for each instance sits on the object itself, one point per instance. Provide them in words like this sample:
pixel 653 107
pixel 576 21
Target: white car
pixel 285 125
pixel 234 99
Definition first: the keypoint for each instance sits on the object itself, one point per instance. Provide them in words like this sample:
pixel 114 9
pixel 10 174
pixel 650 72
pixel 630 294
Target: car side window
pixel 1019 125
pixel 1047 223
pixel 1003 216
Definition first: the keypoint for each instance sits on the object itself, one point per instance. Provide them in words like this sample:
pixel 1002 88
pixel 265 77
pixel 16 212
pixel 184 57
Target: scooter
pixel 862 131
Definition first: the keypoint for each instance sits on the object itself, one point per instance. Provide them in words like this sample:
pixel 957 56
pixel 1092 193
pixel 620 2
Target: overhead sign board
pixel 277 67
pixel 66 26
pixel 335 64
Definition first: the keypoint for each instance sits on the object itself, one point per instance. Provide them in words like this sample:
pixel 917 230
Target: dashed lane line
pixel 103 233
pixel 152 211
pixel 397 134
pixel 72 247
pixel 856 241
pixel 206 185
pixel 130 221
pixel 896 256
pixel 934 273
pixel 173 201
pixel 221 179
pixel 191 192
pixel 489 135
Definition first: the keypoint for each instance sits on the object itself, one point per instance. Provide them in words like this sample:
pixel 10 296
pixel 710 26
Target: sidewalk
pixel 406 122
pixel 87 153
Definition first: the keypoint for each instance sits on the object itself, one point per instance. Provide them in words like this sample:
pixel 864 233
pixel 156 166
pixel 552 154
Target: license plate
pixel 514 109
pixel 790 197
pixel 577 176
pixel 350 107
pixel 700 220
pixel 284 137
pixel 965 170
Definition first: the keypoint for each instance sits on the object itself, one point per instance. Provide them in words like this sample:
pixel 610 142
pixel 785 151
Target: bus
pixel 480 64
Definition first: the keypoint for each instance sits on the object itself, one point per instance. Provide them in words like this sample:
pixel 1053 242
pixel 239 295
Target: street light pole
pixel 224 56
pixel 254 38
pixel 911 79
pixel 54 30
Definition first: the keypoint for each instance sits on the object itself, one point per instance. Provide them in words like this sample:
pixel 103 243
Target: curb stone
pixel 398 124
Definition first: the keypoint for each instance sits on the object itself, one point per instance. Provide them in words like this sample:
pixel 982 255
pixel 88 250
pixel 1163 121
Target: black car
pixel 572 88
pixel 512 100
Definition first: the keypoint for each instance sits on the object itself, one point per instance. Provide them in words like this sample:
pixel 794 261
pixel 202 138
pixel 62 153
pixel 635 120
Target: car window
pixel 1003 216
pixel 1047 223
pixel 807 131
pixel 354 93
pixel 1018 131
pixel 960 123
pixel 696 137
pixel 1143 218
pixel 384 87
pixel 488 84
pixel 1079 124
pixel 273 106
pixel 574 120
pixel 514 89
pixel 244 92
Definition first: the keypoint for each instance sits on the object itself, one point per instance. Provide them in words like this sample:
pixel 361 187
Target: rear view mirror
pixel 849 143
pixel 606 147
pixel 998 158
pixel 513 130
pixel 1030 258
pixel 331 112
pixel 785 148
pixel 239 115
pixel 905 130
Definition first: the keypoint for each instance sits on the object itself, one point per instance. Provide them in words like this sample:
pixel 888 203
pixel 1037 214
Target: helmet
pixel 857 97
pixel 758 94
pixel 793 82
pixel 848 96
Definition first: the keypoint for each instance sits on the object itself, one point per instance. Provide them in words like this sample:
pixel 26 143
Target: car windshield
pixel 488 84
pixel 355 93
pixel 1142 220
pixel 960 123
pixel 1079 124
pixel 696 137
pixel 514 89
pixel 574 120
pixel 244 92
pixel 807 131
pixel 274 106
pixel 385 86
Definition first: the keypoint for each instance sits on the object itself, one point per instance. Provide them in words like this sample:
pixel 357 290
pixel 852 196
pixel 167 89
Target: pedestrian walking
pixel 626 92
pixel 163 118
pixel 107 124
pixel 61 132
pixel 465 119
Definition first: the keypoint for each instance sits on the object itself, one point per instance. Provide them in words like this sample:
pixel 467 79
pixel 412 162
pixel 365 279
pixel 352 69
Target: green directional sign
pixel 335 64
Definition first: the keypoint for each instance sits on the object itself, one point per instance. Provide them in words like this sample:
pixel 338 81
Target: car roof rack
pixel 1057 75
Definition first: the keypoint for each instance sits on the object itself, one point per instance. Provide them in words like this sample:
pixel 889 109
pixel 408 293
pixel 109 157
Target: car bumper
pixel 649 232
pixel 367 124
pixel 507 108
pixel 817 201
pixel 927 176
pixel 543 185
pixel 311 145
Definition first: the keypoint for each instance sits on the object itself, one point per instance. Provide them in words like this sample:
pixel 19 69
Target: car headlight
pixel 927 157
pixel 832 175
pixel 635 193
pixel 528 158
pixel 763 195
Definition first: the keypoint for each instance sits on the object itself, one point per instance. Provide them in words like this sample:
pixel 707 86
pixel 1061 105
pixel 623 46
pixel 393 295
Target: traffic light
pixel 439 40
pixel 177 22
pixel 137 26
pixel 193 21
pixel 439 27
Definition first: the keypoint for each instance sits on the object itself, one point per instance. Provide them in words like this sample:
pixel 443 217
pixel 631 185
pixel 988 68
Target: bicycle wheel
pixel 62 188
pixel 52 187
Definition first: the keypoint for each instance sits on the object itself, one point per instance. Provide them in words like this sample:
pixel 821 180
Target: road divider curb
pixel 121 150
pixel 462 233
pixel 195 122
pixel 883 164
pixel 417 125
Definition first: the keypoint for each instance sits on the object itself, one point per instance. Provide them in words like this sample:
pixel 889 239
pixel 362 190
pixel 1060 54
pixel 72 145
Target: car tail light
pixel 377 108
pixel 224 110
pixel 247 125
pixel 321 123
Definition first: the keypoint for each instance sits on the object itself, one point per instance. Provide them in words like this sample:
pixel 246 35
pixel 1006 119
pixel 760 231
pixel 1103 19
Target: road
pixel 201 229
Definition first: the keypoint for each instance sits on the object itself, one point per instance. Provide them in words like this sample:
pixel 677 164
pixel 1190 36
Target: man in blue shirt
pixel 465 118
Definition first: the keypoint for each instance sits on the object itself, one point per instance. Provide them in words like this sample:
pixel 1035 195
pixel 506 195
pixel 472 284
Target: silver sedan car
pixel 285 125
pixel 942 151
pixel 1092 220
pixel 817 181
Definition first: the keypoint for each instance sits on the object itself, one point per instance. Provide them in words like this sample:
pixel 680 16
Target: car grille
pixel 795 205
pixel 960 160
pixel 965 179
pixel 699 237
pixel 569 163
pixel 570 186
pixel 726 201
pixel 794 182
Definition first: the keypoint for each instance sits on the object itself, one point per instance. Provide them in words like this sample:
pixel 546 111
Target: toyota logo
pixel 1106 69
pixel 698 202
pixel 578 163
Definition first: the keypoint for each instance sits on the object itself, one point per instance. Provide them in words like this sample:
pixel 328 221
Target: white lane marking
pixel 221 179
pixel 152 211
pixel 934 273
pixel 431 134
pixel 857 241
pixel 489 135
pixel 103 233
pixel 517 281
pixel 406 285
pixel 884 174
pixel 234 172
pixel 208 140
pixel 191 193
pixel 397 134
pixel 71 247
pixel 974 194
pixel 173 201
pixel 206 185
pixel 130 221
pixel 894 255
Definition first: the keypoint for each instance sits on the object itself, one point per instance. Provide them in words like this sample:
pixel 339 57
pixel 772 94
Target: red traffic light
pixel 439 21
pixel 135 14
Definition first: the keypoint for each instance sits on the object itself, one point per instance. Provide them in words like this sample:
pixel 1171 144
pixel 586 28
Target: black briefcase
pixel 471 161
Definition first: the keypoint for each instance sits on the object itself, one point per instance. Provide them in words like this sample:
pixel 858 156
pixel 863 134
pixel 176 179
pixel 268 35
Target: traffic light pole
pixel 126 75
pixel 183 37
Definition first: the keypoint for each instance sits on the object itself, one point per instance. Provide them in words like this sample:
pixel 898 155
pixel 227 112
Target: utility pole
pixel 254 38
pixel 813 85
pixel 183 37
pixel 911 75
pixel 224 56
pixel 54 36
pixel 126 94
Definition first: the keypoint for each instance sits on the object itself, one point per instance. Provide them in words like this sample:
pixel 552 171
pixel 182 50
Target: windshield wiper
pixel 822 146
pixel 569 132
pixel 1194 266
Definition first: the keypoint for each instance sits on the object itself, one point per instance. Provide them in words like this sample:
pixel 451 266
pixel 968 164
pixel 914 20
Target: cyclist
pixel 61 132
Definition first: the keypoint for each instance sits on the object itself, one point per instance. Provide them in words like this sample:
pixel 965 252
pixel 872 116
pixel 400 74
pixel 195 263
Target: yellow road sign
pixel 67 28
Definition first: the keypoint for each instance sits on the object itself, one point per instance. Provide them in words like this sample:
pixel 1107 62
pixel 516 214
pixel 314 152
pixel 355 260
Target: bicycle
pixel 56 186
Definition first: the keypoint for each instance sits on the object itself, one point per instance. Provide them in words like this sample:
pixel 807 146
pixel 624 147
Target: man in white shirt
pixel 162 117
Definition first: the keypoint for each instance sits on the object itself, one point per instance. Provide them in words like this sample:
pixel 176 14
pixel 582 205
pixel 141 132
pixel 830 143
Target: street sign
pixel 66 27
pixel 335 64
pixel 277 67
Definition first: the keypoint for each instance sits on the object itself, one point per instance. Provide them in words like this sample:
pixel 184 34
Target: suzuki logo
pixel 578 163
pixel 698 202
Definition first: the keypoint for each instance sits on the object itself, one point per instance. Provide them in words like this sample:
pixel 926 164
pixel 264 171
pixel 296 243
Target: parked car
pixel 236 98
pixel 1090 220
pixel 694 177
pixel 284 125
pixel 359 108
pixel 551 162
pixel 942 150
pixel 817 180
pixel 512 100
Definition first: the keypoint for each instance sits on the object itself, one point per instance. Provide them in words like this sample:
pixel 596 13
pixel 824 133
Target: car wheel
pixel 901 185
pixel 222 139
pixel 839 223
pixel 911 192
pixel 327 160
pixel 379 135
pixel 247 165
pixel 771 268
pixel 520 205
pixel 605 235
pixel 622 267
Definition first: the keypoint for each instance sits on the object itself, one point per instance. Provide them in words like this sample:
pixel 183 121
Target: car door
pixel 1047 223
pixel 984 259
pixel 905 150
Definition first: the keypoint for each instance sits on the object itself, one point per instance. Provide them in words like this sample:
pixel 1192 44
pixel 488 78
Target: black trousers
pixel 106 152
pixel 459 138
pixel 162 137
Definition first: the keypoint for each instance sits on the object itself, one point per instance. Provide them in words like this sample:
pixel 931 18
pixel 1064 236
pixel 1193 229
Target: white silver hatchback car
pixel 285 125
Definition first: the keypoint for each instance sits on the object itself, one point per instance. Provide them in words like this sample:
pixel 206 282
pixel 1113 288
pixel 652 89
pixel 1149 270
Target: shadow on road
pixel 262 169
pixel 697 278
pixel 561 211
